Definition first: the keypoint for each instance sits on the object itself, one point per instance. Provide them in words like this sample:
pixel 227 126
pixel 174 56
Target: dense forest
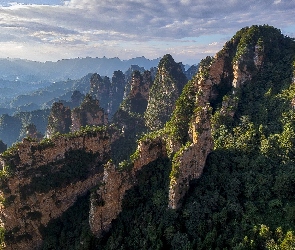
pixel 245 197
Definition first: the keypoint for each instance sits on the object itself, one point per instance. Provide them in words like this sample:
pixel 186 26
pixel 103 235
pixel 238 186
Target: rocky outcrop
pixel 99 87
pixel 149 150
pixel 59 120
pixel 215 87
pixel 45 179
pixel 248 63
pixel 165 90
pixel 63 120
pixel 88 113
pixel 31 131
pixel 48 177
pixel 189 161
pixel 140 84
pixel 241 74
pixel 106 201
pixel 137 99
pixel 110 94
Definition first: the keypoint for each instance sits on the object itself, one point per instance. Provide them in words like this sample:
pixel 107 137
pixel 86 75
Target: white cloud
pixel 213 44
pixel 106 26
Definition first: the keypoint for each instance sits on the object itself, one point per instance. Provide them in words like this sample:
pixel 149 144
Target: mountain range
pixel 33 71
pixel 206 162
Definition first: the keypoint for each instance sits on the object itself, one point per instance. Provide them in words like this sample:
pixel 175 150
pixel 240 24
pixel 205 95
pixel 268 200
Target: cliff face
pixel 110 94
pixel 89 113
pixel 44 180
pixel 189 160
pixel 140 84
pixel 165 90
pixel 59 120
pixel 137 99
pixel 106 201
pixel 99 87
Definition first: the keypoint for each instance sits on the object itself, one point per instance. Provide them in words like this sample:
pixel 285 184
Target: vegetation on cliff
pixel 245 198
pixel 164 92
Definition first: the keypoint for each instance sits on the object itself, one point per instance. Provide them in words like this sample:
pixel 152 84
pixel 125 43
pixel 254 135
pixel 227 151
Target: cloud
pixel 97 24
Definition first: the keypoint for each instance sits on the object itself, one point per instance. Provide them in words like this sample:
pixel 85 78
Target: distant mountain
pixel 33 71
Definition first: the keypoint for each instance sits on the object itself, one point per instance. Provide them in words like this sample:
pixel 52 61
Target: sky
pixel 189 30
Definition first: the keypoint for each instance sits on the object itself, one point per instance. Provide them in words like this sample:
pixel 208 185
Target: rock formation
pixel 165 90
pixel 215 85
pixel 110 94
pixel 117 92
pixel 88 113
pixel 59 120
pixel 106 203
pixel 42 180
pixel 137 99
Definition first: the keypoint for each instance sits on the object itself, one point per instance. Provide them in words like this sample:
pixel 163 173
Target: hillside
pixel 206 163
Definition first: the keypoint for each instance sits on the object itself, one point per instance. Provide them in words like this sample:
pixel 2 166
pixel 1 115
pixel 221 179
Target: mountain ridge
pixel 76 68
pixel 217 173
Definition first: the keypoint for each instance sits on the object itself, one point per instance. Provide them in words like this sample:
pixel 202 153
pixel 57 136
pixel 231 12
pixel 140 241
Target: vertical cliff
pixel 190 155
pixel 100 87
pixel 109 93
pixel 42 180
pixel 117 92
pixel 167 87
pixel 136 100
pixel 106 201
pixel 59 120
pixel 88 113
